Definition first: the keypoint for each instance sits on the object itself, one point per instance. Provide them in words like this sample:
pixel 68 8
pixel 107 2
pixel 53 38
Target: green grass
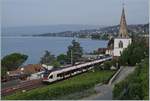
pixel 54 91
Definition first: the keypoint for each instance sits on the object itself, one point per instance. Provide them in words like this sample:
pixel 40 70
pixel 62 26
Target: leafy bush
pixel 107 65
pixel 136 85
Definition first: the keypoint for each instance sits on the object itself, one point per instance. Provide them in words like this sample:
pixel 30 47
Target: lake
pixel 34 47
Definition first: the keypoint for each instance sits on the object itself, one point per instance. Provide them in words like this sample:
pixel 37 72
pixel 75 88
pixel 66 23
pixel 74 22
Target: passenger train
pixel 67 72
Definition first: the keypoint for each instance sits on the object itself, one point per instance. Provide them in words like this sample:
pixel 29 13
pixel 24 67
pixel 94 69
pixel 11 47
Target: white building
pixel 120 44
pixel 109 51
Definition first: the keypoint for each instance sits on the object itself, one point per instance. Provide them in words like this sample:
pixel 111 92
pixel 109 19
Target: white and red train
pixel 63 73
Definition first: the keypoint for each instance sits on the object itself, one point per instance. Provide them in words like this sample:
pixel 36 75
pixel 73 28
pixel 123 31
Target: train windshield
pixel 46 74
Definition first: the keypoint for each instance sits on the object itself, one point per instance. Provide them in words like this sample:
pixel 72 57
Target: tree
pixel 97 37
pixel 74 52
pixel 3 71
pixel 62 59
pixel 134 53
pixel 107 65
pixel 13 61
pixel 114 62
pixel 104 37
pixel 47 58
pixel 55 64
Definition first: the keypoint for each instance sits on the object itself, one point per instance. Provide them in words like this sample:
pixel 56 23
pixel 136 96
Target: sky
pixel 16 13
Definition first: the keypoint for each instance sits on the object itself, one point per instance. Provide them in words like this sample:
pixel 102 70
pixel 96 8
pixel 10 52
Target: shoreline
pixel 51 36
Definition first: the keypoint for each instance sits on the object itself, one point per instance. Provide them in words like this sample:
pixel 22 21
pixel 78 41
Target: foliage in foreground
pixel 135 86
pixel 136 51
pixel 55 91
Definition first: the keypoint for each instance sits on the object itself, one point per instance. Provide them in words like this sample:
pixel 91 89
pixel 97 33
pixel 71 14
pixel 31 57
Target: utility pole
pixel 71 58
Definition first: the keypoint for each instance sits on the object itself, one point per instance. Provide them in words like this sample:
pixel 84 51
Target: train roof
pixel 60 68
pixel 67 68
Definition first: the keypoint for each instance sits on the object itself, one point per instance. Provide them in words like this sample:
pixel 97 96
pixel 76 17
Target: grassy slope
pixel 135 86
pixel 72 85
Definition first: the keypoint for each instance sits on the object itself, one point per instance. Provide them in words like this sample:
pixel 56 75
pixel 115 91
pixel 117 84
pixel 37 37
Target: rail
pixel 23 86
pixel 115 75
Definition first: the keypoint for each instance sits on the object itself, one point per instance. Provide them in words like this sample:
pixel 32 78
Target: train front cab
pixel 48 78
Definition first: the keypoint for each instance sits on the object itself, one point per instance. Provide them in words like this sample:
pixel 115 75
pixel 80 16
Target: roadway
pixel 104 92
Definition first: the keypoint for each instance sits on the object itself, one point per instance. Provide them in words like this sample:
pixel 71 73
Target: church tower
pixel 123 33
pixel 123 40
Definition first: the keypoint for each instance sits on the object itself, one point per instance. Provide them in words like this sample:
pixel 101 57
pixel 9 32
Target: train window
pixel 51 77
pixel 58 75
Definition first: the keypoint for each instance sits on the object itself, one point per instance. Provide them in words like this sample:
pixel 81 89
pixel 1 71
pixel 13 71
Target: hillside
pixel 35 30
pixel 100 32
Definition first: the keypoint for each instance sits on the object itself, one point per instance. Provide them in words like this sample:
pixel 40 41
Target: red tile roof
pixel 28 69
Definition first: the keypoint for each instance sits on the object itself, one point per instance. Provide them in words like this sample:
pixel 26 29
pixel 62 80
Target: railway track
pixel 65 72
pixel 22 87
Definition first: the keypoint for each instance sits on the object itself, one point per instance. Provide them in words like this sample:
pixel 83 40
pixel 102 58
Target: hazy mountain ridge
pixel 71 30
pixel 31 30
pixel 110 30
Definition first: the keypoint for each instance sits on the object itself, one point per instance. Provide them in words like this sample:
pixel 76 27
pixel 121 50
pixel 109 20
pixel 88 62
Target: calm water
pixel 35 47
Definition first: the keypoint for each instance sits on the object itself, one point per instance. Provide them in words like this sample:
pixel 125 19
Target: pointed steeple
pixel 123 33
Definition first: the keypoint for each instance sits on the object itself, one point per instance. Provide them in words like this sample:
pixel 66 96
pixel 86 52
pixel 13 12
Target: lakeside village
pixel 123 50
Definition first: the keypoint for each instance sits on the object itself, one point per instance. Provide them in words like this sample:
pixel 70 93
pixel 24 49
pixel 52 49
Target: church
pixel 118 44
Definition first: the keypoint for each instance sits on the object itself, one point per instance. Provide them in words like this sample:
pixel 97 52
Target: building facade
pixel 120 44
